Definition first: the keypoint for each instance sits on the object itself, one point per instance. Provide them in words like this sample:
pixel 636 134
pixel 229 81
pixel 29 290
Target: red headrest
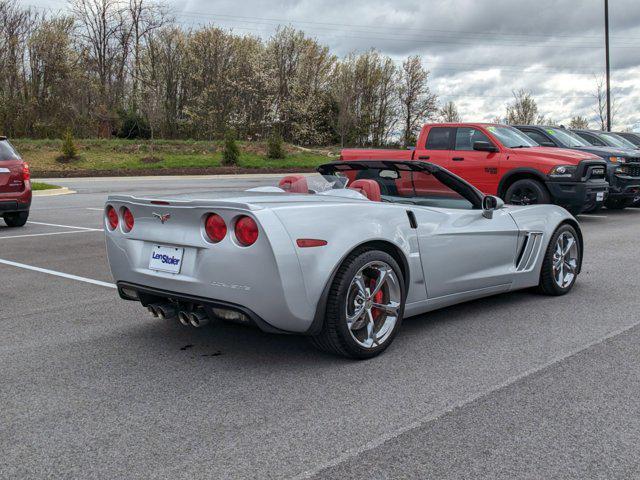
pixel 369 188
pixel 294 184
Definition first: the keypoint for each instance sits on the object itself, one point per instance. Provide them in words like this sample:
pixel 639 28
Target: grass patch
pixel 131 155
pixel 42 186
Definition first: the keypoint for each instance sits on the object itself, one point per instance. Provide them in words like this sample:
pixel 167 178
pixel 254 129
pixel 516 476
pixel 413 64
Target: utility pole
pixel 606 40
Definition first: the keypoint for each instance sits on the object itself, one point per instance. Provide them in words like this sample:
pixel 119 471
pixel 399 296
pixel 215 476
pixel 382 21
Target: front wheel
pixel 561 262
pixel 365 306
pixel 16 219
pixel 527 192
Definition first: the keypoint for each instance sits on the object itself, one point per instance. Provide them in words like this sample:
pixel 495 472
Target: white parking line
pixel 65 226
pixel 47 234
pixel 95 209
pixel 57 274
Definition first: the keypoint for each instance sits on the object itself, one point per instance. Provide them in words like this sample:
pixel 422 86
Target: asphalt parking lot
pixel 514 386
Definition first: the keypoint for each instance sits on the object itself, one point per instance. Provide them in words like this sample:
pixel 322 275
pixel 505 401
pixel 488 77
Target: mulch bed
pixel 162 171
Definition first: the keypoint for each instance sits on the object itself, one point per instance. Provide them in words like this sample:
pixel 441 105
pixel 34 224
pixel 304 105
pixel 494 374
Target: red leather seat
pixel 368 188
pixel 294 184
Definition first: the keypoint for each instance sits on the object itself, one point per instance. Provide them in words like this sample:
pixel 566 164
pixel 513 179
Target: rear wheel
pixel 16 219
pixel 365 306
pixel 527 192
pixel 561 262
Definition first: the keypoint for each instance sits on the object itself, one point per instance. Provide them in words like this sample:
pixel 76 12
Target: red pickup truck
pixel 500 160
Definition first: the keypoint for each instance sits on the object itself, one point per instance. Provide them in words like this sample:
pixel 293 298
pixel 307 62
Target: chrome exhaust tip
pixel 165 311
pixel 183 318
pixel 198 318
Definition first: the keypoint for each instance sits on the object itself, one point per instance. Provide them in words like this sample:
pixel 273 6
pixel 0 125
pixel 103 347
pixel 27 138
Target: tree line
pixel 126 68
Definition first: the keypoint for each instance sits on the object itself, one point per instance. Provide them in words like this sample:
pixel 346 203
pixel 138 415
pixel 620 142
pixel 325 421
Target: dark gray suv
pixel 623 164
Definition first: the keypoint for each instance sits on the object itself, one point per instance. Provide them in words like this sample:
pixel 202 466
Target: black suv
pixel 623 164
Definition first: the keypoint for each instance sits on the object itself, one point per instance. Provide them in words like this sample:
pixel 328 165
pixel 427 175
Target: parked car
pixel 335 258
pixel 623 165
pixel 501 160
pixel 15 186
pixel 607 139
pixel 630 137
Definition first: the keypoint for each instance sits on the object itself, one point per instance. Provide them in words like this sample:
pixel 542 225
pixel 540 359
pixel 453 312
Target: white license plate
pixel 599 196
pixel 166 259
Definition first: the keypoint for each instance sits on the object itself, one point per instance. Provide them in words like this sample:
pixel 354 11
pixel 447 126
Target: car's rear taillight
pixel 112 217
pixel 26 172
pixel 246 231
pixel 215 227
pixel 127 216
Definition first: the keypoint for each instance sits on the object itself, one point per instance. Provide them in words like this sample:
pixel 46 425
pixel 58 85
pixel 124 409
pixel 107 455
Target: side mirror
pixel 489 204
pixel 484 147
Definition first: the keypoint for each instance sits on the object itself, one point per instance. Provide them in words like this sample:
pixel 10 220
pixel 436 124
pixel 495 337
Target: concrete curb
pixel 170 177
pixel 53 192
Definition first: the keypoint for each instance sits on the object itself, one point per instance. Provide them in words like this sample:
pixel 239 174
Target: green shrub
pixel 133 125
pixel 231 152
pixel 275 150
pixel 69 149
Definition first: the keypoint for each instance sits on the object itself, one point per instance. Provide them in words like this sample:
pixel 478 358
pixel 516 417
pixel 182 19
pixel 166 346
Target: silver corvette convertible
pixel 340 256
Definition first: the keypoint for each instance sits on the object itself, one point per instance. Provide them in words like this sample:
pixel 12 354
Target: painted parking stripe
pixel 95 209
pixel 57 274
pixel 65 226
pixel 68 232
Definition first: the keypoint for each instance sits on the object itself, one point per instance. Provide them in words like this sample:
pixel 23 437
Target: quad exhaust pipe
pixel 163 311
pixel 194 316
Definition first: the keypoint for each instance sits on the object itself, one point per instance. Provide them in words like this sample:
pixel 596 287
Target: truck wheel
pixel 364 307
pixel 16 219
pixel 617 203
pixel 527 192
pixel 561 261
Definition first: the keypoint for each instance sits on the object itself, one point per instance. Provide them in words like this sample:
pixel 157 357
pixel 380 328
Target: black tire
pixel 548 284
pixel 618 203
pixel 527 192
pixel 335 336
pixel 16 219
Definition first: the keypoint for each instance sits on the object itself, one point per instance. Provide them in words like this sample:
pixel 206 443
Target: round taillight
pixel 215 227
pixel 112 217
pixel 127 216
pixel 246 231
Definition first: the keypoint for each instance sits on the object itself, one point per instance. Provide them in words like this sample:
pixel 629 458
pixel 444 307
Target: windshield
pixel 568 139
pixel 617 141
pixel 7 152
pixel 512 138
pixel 420 184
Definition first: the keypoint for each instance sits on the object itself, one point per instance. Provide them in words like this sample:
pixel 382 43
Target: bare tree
pixel 579 122
pixel 600 96
pixel 523 110
pixel 417 103
pixel 449 113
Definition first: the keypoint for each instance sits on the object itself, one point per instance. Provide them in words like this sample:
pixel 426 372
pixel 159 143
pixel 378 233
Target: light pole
pixel 606 40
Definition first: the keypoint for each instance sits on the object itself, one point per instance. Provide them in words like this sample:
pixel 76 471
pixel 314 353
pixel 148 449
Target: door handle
pixel 424 157
pixel 458 159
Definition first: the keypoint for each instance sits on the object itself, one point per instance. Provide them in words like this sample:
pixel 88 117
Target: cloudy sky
pixel 478 51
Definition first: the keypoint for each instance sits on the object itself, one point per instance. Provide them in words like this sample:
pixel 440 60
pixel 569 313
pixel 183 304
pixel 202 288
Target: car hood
pixel 553 155
pixel 609 151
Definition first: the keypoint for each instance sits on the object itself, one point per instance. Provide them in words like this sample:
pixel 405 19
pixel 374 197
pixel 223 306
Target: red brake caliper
pixel 377 298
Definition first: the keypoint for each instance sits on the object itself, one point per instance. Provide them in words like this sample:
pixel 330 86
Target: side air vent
pixel 529 252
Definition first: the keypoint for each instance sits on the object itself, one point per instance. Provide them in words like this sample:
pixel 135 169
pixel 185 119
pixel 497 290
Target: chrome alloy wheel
pixel 565 260
pixel 373 304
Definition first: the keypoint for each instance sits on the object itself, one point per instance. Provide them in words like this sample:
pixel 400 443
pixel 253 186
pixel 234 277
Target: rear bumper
pixel 11 206
pixel 147 295
pixel 578 196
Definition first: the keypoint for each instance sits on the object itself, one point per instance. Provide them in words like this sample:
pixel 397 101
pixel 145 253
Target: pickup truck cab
pixel 623 165
pixel 501 160
pixel 15 186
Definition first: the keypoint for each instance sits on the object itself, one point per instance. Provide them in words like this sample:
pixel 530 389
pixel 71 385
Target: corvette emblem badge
pixel 163 218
